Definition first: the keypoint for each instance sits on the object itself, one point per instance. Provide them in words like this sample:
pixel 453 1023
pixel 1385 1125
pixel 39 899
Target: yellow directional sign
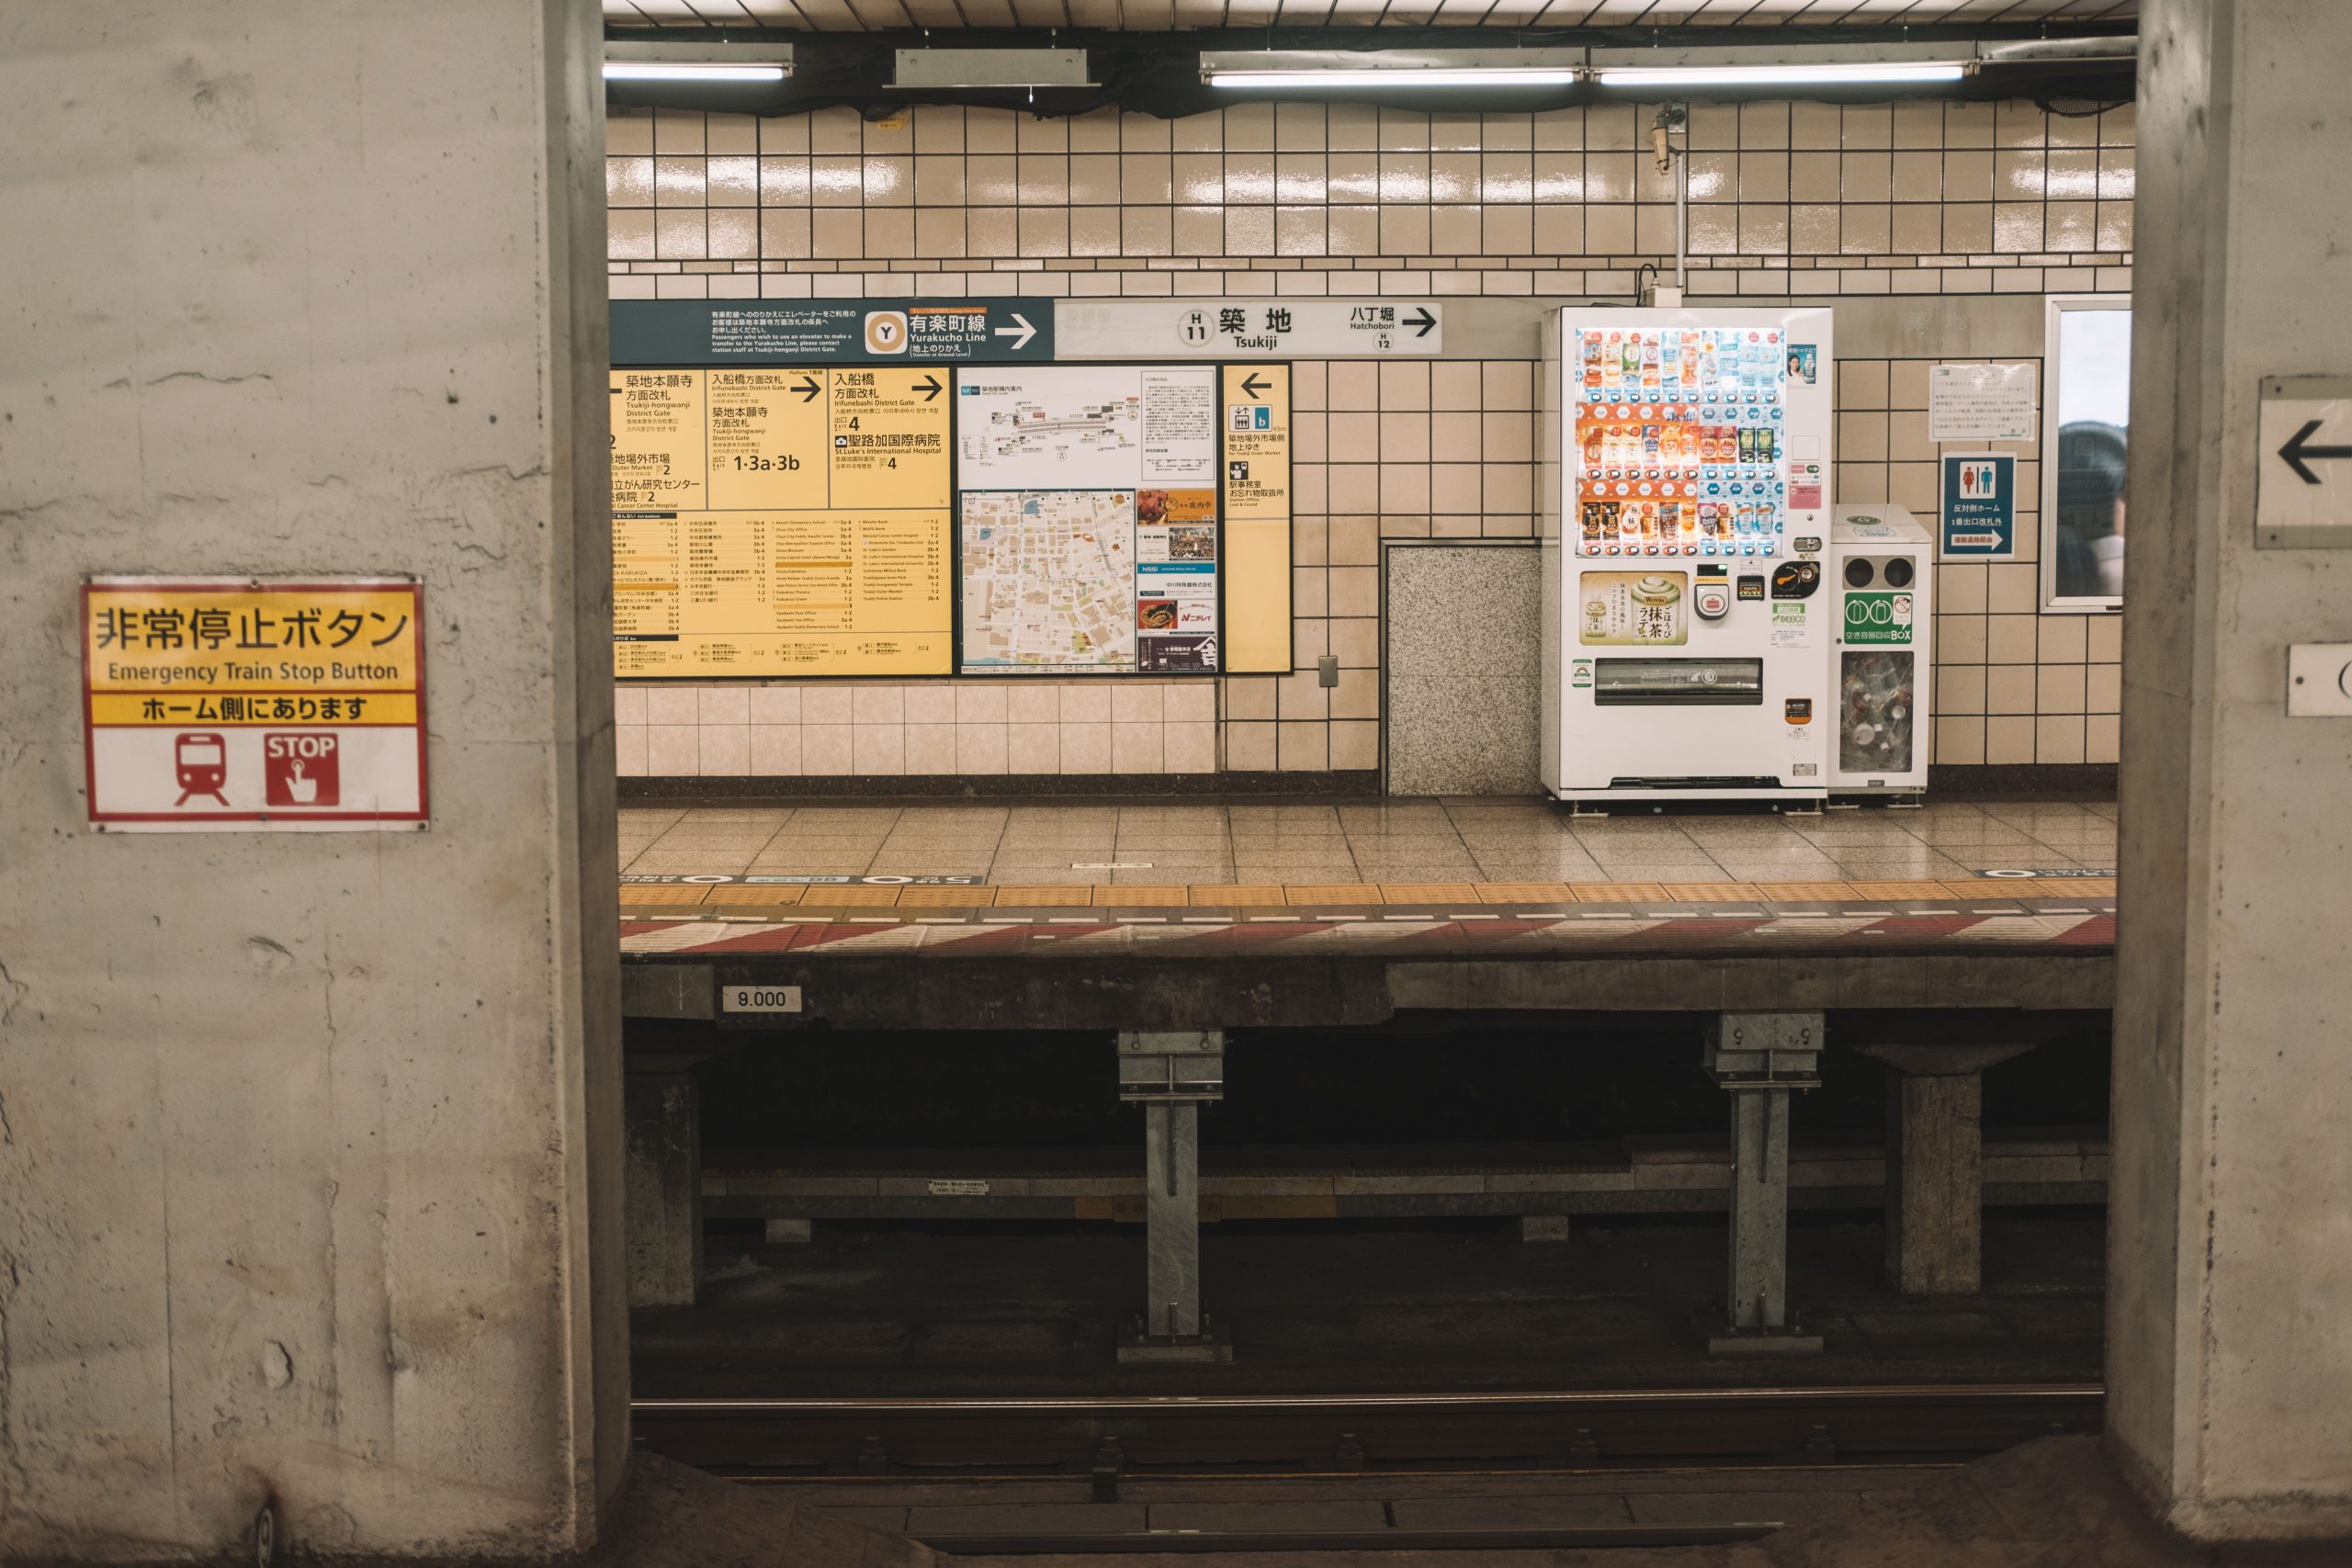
pixel 1255 401
pixel 805 532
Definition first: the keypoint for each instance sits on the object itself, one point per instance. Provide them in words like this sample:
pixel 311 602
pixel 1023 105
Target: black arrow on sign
pixel 1253 386
pixel 808 389
pixel 2297 449
pixel 929 388
pixel 1422 319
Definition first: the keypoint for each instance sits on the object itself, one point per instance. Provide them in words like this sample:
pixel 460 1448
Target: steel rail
pixel 1134 1436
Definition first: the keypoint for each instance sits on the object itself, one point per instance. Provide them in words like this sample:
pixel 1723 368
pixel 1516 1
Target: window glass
pixel 2091 359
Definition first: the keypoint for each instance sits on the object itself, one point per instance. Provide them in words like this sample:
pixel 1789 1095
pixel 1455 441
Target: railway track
pixel 1169 1436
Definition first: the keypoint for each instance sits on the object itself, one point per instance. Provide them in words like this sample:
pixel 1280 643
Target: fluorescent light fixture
pixel 649 71
pixel 1823 74
pixel 632 61
pixel 1313 70
pixel 1476 76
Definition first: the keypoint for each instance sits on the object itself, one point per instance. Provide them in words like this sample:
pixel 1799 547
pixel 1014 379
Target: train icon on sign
pixel 200 766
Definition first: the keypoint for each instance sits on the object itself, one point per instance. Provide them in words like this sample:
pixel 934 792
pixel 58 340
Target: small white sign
pixel 1981 402
pixel 959 1187
pixel 759 998
pixel 1250 329
pixel 2302 463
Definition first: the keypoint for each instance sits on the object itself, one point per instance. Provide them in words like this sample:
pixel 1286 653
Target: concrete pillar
pixel 664 1116
pixel 310 1147
pixel 2229 1363
pixel 1761 1060
pixel 1935 1164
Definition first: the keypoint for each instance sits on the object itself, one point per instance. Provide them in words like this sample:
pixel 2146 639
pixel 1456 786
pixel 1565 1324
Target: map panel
pixel 1088 518
pixel 1049 579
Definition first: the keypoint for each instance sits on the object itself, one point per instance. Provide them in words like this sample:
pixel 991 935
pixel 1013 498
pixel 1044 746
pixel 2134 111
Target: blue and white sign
pixel 1980 506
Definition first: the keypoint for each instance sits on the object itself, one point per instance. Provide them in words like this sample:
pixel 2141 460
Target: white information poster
pixel 1981 402
pixel 1087 503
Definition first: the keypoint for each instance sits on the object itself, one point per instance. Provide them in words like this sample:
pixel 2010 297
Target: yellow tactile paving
pixel 1522 892
pixel 1236 896
pixel 1141 897
pixel 945 898
pixel 1330 893
pixel 657 895
pixel 1900 889
pixel 763 893
pixel 1428 893
pixel 1709 892
pixel 852 896
pixel 1020 897
pixel 1322 895
pixel 1805 892
pixel 1617 892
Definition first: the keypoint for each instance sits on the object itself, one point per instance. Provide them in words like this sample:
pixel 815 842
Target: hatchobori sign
pixel 846 331
pixel 237 704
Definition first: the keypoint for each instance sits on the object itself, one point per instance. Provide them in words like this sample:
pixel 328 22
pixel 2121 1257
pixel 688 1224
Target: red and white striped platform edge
pixel 1392 933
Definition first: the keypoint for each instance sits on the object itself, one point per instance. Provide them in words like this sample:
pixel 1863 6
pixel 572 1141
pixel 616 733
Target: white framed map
pixel 1087 517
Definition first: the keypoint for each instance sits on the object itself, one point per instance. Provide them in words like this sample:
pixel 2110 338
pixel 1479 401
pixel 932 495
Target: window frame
pixel 2054 306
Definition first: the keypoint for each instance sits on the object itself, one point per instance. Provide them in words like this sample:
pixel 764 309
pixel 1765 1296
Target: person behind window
pixel 2091 459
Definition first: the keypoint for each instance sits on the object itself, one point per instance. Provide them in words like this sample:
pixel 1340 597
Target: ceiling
pixel 1155 16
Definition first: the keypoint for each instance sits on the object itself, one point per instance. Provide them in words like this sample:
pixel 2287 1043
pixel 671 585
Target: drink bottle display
pixel 1682 415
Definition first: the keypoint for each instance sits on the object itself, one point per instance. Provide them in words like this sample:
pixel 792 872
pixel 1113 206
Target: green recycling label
pixel 1878 617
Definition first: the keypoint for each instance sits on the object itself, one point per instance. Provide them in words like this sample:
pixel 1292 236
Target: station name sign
pixel 1252 329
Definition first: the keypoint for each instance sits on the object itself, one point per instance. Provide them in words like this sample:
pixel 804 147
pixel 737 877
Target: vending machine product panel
pixel 1687 461
pixel 1883 563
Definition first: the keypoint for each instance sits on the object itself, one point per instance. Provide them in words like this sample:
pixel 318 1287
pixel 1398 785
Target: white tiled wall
pixel 1787 199
pixel 879 729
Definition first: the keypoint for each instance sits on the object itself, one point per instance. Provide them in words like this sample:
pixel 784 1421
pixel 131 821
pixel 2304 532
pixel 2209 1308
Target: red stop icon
pixel 301 767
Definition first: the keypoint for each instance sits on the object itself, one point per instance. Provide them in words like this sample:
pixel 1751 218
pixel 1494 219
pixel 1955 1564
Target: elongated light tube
pixel 687 71
pixel 1467 77
pixel 1816 75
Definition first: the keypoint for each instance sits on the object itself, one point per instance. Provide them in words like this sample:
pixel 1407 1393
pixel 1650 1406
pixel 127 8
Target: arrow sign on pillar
pixel 1421 319
pixel 808 389
pixel 929 388
pixel 1021 331
pixel 2299 449
pixel 1254 387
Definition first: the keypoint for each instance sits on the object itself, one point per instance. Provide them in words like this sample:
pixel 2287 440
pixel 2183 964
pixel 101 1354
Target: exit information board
pixel 902 488
pixel 781 520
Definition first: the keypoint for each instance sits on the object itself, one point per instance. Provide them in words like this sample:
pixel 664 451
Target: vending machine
pixel 1686 472
pixel 1883 564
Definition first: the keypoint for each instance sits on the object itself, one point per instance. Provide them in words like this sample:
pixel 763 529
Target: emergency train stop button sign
pixel 231 703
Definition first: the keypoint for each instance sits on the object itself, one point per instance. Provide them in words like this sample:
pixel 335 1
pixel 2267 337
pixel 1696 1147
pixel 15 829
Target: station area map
pixel 1049 578
pixel 1087 518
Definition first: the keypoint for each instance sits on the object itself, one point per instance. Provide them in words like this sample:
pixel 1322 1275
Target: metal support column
pixel 1761 1059
pixel 1171 1074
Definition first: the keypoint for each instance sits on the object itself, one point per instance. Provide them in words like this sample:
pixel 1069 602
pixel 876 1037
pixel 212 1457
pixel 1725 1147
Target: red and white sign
pixel 245 705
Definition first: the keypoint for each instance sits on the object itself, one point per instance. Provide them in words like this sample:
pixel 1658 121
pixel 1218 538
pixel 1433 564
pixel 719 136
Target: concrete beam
pixel 664 1113
pixel 311 1146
